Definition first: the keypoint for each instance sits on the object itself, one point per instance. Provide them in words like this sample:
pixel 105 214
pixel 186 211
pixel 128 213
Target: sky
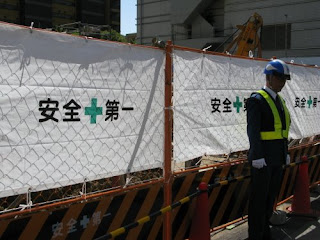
pixel 128 16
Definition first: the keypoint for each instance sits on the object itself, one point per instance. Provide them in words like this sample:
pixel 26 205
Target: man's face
pixel 277 83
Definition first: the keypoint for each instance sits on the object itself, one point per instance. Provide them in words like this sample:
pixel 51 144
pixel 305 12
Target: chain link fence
pixel 80 116
pixel 209 102
pixel 76 113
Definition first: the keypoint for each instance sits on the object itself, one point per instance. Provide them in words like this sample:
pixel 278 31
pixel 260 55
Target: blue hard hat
pixel 277 67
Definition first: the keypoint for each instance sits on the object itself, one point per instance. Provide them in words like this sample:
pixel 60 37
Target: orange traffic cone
pixel 301 205
pixel 200 228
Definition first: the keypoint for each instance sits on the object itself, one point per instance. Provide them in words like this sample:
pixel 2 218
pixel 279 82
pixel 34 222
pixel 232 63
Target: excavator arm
pixel 248 39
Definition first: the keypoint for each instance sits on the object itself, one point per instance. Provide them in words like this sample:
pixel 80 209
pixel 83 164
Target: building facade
pixel 51 13
pixel 291 28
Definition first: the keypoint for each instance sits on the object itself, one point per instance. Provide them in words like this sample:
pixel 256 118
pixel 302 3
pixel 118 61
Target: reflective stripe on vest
pixel 278 132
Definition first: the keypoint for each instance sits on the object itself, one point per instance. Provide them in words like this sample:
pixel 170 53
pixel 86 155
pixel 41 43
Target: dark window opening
pixel 276 37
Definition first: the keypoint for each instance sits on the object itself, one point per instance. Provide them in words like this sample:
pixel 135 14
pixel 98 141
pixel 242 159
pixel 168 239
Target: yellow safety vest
pixel 278 132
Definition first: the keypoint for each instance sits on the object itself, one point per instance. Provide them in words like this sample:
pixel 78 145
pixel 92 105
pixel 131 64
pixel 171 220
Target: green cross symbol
pixel 237 104
pixel 93 111
pixel 309 102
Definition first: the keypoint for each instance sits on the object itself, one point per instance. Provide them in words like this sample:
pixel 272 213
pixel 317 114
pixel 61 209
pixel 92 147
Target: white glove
pixel 288 159
pixel 259 163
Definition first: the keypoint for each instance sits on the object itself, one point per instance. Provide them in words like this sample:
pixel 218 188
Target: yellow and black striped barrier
pixel 145 219
pixel 305 159
pixel 291 171
pixel 182 201
pixel 187 199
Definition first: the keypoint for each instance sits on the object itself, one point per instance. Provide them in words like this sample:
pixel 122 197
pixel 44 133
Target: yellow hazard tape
pixel 184 200
pixel 240 178
pixel 225 182
pixel 143 220
pixel 166 209
pixel 117 232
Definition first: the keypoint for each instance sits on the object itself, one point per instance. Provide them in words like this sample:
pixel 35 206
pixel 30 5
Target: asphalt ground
pixel 294 227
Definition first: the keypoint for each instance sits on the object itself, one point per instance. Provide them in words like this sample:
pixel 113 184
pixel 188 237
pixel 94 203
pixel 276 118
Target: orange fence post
pixel 200 228
pixel 168 140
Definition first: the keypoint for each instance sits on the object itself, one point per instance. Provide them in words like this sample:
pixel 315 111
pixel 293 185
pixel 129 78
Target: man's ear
pixel 268 78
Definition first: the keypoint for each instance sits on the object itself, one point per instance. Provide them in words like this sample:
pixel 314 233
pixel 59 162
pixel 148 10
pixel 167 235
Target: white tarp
pixel 76 109
pixel 209 102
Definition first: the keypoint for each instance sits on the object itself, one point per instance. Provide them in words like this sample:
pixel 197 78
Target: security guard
pixel 268 122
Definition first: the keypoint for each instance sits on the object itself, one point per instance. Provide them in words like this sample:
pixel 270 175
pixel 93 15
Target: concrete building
pixel 49 13
pixel 291 27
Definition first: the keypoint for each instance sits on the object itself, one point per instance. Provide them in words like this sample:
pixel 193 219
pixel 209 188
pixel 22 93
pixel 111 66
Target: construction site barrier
pixel 49 215
pixel 137 212
pixel 187 199
pixel 291 170
pixel 164 210
pixel 148 218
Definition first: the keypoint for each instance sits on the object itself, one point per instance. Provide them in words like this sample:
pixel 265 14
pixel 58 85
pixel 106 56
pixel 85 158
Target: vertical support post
pixel 286 37
pixel 168 140
pixel 140 18
pixel 200 226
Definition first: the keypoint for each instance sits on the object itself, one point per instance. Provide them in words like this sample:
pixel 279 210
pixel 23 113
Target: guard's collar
pixel 271 92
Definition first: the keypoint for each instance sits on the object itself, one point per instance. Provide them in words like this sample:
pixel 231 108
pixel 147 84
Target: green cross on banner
pixel 309 102
pixel 237 104
pixel 93 111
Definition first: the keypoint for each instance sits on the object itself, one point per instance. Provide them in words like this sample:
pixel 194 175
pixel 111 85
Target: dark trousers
pixel 264 188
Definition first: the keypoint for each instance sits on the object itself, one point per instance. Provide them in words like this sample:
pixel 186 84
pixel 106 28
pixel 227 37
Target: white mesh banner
pixel 76 109
pixel 209 102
